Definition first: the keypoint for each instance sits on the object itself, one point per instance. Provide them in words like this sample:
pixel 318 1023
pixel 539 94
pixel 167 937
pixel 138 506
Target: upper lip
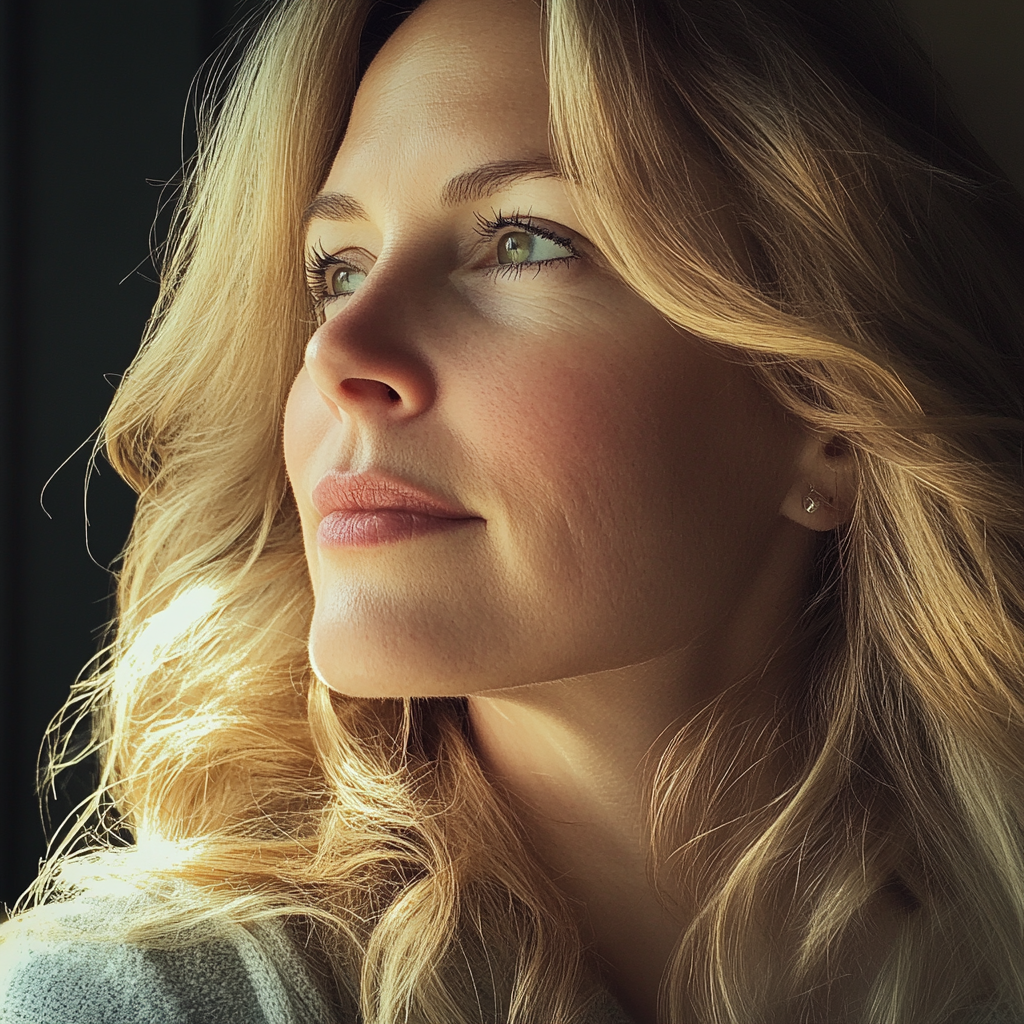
pixel 338 491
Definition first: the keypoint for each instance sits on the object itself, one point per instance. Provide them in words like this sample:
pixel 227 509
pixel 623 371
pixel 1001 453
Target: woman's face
pixel 509 468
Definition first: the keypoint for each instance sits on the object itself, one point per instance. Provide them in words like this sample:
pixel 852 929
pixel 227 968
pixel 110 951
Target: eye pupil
pixel 515 247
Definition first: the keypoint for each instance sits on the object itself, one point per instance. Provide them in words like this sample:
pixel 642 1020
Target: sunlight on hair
pixel 154 852
pixel 158 637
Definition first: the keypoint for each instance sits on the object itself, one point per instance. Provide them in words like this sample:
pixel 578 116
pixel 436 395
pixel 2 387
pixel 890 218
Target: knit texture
pixel 56 968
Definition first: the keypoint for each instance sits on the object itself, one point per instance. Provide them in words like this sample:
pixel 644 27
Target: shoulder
pixel 90 981
pixel 56 967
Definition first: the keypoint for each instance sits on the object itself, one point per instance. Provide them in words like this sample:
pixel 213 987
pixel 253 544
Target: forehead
pixel 462 76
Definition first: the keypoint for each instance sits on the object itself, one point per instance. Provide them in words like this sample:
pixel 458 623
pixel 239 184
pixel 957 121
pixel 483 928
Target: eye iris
pixel 515 247
pixel 344 281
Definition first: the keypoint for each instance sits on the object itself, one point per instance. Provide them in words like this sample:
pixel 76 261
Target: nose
pixel 367 360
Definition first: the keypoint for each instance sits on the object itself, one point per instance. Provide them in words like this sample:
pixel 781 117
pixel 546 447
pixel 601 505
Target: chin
pixel 404 655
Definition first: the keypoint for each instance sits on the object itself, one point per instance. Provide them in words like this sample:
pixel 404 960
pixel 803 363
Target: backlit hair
pixel 879 300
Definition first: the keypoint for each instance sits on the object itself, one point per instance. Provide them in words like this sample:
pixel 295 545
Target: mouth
pixel 367 509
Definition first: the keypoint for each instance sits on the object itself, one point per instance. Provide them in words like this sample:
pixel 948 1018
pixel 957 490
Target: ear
pixel 824 483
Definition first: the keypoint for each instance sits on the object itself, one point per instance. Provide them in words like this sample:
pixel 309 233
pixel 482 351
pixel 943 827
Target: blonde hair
pixel 879 300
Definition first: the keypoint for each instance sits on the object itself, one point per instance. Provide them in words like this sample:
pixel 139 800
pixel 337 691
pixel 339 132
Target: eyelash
pixel 319 262
pixel 487 229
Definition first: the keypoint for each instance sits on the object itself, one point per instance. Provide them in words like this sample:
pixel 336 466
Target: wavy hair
pixel 879 300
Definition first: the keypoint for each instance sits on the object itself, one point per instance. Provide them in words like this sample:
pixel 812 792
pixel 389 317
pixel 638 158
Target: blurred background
pixel 95 102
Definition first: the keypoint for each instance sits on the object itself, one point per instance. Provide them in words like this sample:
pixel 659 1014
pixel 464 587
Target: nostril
pixel 363 388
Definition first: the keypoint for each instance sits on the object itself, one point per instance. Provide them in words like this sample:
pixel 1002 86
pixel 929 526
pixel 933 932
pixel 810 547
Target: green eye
pixel 515 247
pixel 344 281
pixel 526 247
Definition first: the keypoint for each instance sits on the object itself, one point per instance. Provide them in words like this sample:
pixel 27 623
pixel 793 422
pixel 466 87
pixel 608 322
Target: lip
pixel 366 509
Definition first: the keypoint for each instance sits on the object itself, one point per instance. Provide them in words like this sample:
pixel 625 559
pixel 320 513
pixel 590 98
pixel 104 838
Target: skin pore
pixel 634 539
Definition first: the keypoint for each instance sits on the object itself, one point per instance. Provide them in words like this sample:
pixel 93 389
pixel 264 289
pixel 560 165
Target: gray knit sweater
pixel 55 968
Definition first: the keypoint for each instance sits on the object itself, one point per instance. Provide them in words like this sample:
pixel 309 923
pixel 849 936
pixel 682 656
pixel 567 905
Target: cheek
pixel 617 425
pixel 306 423
pixel 638 473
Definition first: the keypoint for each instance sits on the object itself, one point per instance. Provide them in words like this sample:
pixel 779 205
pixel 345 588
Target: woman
pixel 635 638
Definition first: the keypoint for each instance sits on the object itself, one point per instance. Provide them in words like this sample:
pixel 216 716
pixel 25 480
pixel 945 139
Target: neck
pixel 574 769
pixel 576 756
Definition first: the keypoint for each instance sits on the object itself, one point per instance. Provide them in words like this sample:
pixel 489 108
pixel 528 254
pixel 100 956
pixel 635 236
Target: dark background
pixel 93 95
pixel 93 107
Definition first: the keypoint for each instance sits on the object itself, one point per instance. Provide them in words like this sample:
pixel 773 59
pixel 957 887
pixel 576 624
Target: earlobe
pixel 823 488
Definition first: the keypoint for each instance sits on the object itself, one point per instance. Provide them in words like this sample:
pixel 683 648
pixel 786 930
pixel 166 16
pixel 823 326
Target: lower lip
pixel 381 526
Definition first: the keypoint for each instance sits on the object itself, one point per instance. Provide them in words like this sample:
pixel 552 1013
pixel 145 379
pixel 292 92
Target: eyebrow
pixel 466 187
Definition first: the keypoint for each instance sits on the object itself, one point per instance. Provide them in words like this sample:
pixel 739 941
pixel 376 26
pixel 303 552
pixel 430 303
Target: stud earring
pixel 810 505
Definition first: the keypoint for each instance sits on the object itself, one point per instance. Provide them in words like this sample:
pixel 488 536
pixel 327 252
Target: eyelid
pixel 319 261
pixel 489 229
pixel 318 258
pixel 353 256
pixel 580 245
